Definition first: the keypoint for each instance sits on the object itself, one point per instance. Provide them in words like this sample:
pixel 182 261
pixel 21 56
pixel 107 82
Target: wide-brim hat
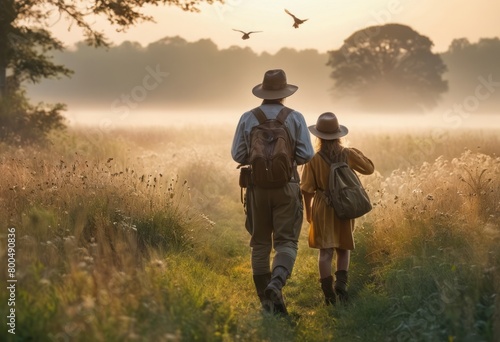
pixel 274 86
pixel 327 127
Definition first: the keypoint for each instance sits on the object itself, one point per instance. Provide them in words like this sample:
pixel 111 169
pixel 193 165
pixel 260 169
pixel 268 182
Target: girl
pixel 327 232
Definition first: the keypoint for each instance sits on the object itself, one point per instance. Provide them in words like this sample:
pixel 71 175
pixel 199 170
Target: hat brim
pixel 274 94
pixel 329 136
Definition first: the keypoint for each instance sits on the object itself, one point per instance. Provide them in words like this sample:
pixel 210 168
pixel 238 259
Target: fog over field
pixel 446 119
pixel 173 82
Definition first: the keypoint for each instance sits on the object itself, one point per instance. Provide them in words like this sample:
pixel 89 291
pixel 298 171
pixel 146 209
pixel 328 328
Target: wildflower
pixel 44 281
pixel 207 219
pixel 88 302
pixel 157 263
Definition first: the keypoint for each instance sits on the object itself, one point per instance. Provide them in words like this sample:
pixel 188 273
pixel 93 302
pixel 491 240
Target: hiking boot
pixel 273 291
pixel 261 281
pixel 327 287
pixel 341 286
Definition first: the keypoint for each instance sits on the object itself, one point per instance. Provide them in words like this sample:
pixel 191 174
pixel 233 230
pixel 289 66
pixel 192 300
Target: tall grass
pixel 432 243
pixel 94 225
pixel 138 235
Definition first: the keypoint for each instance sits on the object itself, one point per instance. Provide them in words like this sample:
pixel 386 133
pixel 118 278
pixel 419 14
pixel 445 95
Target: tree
pixel 390 68
pixel 25 44
pixel 473 74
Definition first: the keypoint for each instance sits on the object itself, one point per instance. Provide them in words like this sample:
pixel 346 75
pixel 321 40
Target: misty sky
pixel 330 22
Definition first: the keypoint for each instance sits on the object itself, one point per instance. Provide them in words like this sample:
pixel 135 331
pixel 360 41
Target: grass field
pixel 138 236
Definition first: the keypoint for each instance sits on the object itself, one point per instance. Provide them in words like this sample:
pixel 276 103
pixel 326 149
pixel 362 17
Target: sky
pixel 329 22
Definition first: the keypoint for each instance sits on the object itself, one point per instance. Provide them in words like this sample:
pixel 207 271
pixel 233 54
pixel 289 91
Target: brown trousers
pixel 274 219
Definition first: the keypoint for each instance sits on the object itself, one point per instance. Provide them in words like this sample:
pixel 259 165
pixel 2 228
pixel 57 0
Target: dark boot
pixel 273 290
pixel 327 287
pixel 341 286
pixel 261 281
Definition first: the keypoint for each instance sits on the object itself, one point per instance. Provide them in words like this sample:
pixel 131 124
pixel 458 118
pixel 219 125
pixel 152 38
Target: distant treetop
pixel 390 68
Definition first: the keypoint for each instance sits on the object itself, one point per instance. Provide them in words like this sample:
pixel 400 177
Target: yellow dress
pixel 326 229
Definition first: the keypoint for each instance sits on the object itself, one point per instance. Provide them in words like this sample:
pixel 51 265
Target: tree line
pixel 193 75
pixel 198 75
pixel 387 68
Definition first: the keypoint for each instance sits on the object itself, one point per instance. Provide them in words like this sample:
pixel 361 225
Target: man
pixel 274 215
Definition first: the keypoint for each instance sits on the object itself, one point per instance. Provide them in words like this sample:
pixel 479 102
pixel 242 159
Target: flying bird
pixel 296 21
pixel 246 35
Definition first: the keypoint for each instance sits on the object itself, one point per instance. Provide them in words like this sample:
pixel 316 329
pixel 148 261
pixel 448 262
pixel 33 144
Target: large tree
pixel 25 44
pixel 389 68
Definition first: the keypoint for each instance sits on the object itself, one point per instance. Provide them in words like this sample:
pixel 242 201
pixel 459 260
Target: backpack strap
pixel 325 157
pixel 325 193
pixel 259 114
pixel 283 114
pixel 342 156
pixel 281 117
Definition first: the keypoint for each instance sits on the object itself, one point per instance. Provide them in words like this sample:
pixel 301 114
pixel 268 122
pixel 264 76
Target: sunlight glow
pixel 330 22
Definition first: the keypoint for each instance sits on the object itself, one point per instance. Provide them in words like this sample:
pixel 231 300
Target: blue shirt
pixel 295 123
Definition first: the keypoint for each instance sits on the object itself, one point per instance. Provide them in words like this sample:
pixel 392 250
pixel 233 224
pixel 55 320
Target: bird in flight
pixel 296 21
pixel 246 35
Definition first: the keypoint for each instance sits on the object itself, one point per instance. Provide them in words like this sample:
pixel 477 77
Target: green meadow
pixel 138 235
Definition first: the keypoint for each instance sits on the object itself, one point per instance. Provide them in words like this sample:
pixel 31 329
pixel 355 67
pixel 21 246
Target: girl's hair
pixel 330 147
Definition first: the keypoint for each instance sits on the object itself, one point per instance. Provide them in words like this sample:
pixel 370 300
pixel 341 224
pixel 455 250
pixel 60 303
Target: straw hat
pixel 274 86
pixel 327 127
